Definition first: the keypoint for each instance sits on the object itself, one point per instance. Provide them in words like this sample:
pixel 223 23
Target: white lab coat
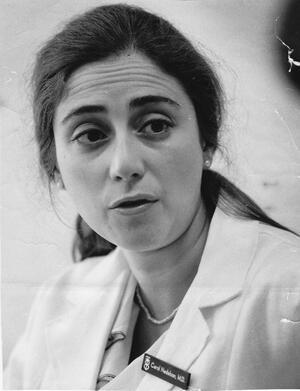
pixel 237 327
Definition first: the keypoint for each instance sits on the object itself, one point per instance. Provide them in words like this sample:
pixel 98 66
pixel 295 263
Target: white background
pixel 261 131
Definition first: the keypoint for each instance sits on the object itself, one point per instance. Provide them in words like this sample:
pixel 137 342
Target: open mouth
pixel 134 204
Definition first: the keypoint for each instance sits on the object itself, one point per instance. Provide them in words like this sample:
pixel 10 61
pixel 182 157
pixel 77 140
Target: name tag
pixel 166 371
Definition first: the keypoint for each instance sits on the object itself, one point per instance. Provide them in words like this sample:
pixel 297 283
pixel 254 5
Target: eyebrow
pixel 148 99
pixel 87 109
pixel 135 103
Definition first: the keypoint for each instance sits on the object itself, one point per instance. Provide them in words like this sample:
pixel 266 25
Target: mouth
pixel 136 203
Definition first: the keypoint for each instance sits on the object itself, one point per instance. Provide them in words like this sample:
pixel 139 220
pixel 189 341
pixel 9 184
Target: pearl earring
pixel 60 185
pixel 58 181
pixel 207 163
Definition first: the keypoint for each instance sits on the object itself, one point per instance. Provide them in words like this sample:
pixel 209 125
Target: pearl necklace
pixel 151 319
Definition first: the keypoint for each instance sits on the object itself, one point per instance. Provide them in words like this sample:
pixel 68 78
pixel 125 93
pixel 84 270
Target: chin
pixel 139 241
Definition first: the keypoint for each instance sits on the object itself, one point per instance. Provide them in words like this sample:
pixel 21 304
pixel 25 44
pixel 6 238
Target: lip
pixel 128 210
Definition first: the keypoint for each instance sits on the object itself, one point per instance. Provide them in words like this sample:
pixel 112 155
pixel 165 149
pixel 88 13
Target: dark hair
pixel 111 30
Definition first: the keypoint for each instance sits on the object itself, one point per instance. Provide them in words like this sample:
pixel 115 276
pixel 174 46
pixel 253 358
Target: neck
pixel 164 275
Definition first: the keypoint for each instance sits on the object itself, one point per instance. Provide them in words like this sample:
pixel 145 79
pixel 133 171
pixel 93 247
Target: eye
pixel 156 127
pixel 91 136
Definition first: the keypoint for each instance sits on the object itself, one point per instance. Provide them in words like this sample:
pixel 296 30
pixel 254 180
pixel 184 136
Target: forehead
pixel 121 79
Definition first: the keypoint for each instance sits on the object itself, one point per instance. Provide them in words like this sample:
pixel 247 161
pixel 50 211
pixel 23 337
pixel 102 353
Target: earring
pixel 60 185
pixel 58 181
pixel 207 163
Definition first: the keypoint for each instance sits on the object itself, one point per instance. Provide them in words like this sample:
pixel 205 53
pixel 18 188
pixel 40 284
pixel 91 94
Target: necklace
pixel 151 319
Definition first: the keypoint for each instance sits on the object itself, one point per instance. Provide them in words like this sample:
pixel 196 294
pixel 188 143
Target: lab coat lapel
pixel 182 344
pixel 220 278
pixel 78 337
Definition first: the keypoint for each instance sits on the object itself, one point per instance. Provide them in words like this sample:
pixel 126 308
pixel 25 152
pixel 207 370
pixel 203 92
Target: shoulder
pixel 274 276
pixel 255 248
pixel 92 270
pixel 267 232
pixel 277 254
pixel 78 283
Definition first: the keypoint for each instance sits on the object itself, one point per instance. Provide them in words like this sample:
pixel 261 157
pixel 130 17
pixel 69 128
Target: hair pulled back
pixel 112 30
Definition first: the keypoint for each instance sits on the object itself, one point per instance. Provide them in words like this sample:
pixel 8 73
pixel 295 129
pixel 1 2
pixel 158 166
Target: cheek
pixel 182 169
pixel 83 181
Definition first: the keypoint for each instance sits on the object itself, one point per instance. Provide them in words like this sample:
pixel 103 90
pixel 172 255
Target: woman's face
pixel 128 149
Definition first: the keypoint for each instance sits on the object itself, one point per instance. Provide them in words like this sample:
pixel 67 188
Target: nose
pixel 126 162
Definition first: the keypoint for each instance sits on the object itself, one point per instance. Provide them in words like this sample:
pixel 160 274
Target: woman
pixel 127 118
